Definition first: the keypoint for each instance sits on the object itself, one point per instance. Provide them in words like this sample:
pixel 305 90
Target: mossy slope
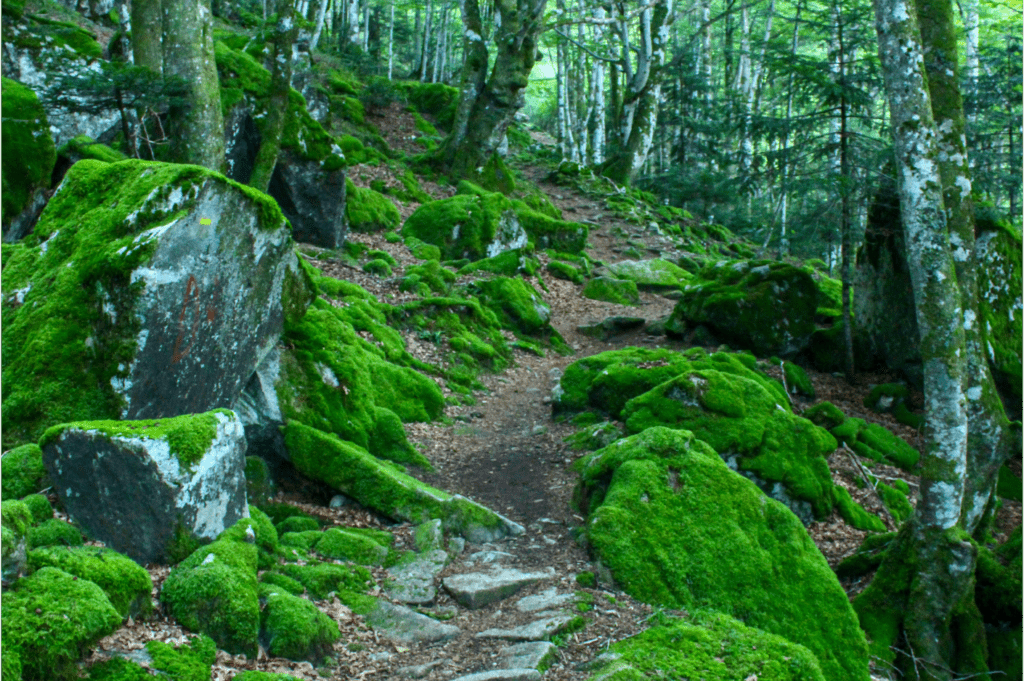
pixel 29 155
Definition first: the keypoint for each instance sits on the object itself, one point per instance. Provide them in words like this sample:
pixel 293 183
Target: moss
pixel 797 380
pixel 264 676
pixel 320 579
pixel 436 278
pixel 586 579
pixel 213 591
pixel 826 415
pixel 1009 485
pixel 563 270
pixel 51 619
pixel 876 399
pixel 60 347
pixel 126 583
pixel 618 291
pixel 345 545
pixel 298 523
pixel 677 528
pixel 710 646
pixel 16 516
pixel 656 275
pixel 422 250
pixel 304 539
pixel 473 226
pixel 876 442
pixel 738 417
pixel 369 211
pixel 896 501
pixel 854 514
pixel 378 267
pixel 54 532
pixel 520 307
pixel 84 147
pixel 258 484
pixel 867 557
pixel 549 232
pixel 22 472
pixel 189 437
pixel 39 507
pixel 277 513
pixel 191 662
pixel 29 155
pixel 118 669
pixel 1000 308
pixel 292 586
pixel 293 628
pixel 508 264
pixel 435 99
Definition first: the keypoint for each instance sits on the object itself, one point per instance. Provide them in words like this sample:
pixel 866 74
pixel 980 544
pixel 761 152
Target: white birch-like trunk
pixel 321 16
pixel 352 21
pixel 391 41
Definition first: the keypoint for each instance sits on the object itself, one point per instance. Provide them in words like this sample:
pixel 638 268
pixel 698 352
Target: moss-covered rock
pixel 826 415
pixel 765 306
pixel 297 523
pixel 868 556
pixel 563 270
pixel 470 226
pixel 377 267
pixel 876 442
pixel 294 628
pixel 607 289
pixel 797 380
pixel 292 586
pixel 259 485
pixel 369 211
pixel 997 594
pixel 350 582
pixel 520 307
pixel 51 619
pixel 1000 307
pixel 213 592
pixel 187 662
pixel 651 275
pixel 39 506
pixel 118 669
pixel 16 521
pixel 430 278
pixel 54 532
pixel 711 646
pixel 342 544
pixel 385 489
pixel 29 155
pixel 509 264
pixel 126 583
pixel 677 528
pixel 854 514
pixel 22 472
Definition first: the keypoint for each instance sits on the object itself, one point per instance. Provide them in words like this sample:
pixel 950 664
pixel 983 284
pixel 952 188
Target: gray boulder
pixel 403 625
pixel 312 198
pixel 137 484
pixel 477 589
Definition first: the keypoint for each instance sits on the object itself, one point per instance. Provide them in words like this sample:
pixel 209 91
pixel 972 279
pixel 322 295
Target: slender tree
pixel 277 104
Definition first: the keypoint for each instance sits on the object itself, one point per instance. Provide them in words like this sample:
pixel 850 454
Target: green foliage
pixel 29 156
pixel 377 267
pixel 586 579
pixel 896 501
pixel 54 532
pixel 1009 485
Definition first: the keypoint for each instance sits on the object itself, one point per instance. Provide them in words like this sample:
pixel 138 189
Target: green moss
pixel 118 669
pixel 1000 273
pixel 39 506
pixel 508 264
pixel 292 586
pixel 854 514
pixel 84 147
pixel 656 275
pixel 16 516
pixel 435 99
pixel 876 442
pixel 258 484
pixel 618 291
pixel 709 646
pixel 188 436
pixel 466 225
pixel 586 579
pixel 436 278
pixel 378 267
pixel 350 546
pixel 298 523
pixel 520 307
pixel 826 415
pixel 126 583
pixel 54 532
pixel 293 628
pixel 562 270
pixel 22 472
pixel 1009 485
pixel 320 579
pixel 279 512
pixel 868 556
pixel 51 619
pixel 29 155
pixel 896 501
pixel 549 232
pixel 677 528
pixel 191 662
pixel 369 211
pixel 797 380
pixel 303 539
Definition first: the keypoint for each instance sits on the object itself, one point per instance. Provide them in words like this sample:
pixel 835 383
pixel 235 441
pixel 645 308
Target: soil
pixel 507 453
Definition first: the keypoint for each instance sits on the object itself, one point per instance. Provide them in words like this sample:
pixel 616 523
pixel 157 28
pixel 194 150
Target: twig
pixel 867 478
pixel 785 388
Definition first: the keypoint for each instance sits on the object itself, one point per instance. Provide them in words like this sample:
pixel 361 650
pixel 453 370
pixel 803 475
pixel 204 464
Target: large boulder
pixel 677 528
pixel 27 162
pixel 146 290
pixel 760 305
pixel 186 476
pixel 468 226
pixel 312 197
pixel 651 275
pixel 1000 307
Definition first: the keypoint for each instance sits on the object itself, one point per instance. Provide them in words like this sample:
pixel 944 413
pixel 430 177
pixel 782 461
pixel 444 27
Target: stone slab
pixel 413 582
pixel 547 599
pixel 402 625
pixel 477 589
pixel 502 675
pixel 530 655
pixel 538 630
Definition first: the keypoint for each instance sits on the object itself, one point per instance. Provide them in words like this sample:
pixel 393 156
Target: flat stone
pixel 413 582
pixel 402 625
pixel 420 670
pixel 538 630
pixel 610 326
pixel 545 600
pixel 488 557
pixel 476 589
pixel 502 675
pixel 529 655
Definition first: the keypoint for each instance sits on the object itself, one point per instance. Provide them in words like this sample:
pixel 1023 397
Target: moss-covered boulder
pixel 876 442
pixel 294 628
pixel 563 270
pixel 611 290
pixel 1000 307
pixel 509 264
pixel 381 486
pixel 16 520
pixel 351 546
pixel 190 661
pixel 997 595
pixel 349 582
pixel 470 226
pixel 764 306
pixel 711 646
pixel 520 307
pixel 108 312
pixel 188 472
pixel 126 583
pixel 369 211
pixel 28 158
pixel 40 507
pixel 51 619
pixel 213 592
pixel 54 532
pixel 651 275
pixel 22 472
pixel 783 453
pixel 677 528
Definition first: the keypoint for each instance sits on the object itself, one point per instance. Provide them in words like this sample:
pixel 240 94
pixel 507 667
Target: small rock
pixel 538 630
pixel 529 655
pixel 539 430
pixel 550 598
pixel 599 661
pixel 476 589
pixel 429 535
pixel 502 675
pixel 420 670
pixel 456 545
pixel 413 582
pixel 340 501
pixel 488 557
pixel 402 625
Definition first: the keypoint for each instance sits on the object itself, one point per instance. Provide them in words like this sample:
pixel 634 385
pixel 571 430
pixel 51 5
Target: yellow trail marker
pixel 205 221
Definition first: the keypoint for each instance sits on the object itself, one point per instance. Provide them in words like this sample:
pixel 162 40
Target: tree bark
pixel 147 28
pixel 277 104
pixel 188 53
pixel 320 16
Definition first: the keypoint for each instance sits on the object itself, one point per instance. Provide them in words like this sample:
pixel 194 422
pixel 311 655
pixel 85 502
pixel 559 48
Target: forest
pixel 511 340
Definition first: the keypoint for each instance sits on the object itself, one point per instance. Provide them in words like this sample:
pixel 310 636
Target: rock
pixel 565 271
pixel 678 529
pixel 412 581
pixel 650 275
pixel 385 489
pixel 186 473
pixel 369 211
pixel 351 546
pixel 764 306
pixel 476 589
pixel 488 557
pixel 16 521
pixel 468 226
pixel 610 327
pixel 1000 273
pixel 550 598
pixel 294 628
pixel 312 198
pixel 537 655
pixel 502 675
pixel 29 159
pixel 428 536
pixel 126 583
pixel 519 306
pixel 157 314
pixel 618 291
pixel 420 670
pixel 402 625
pixel 538 630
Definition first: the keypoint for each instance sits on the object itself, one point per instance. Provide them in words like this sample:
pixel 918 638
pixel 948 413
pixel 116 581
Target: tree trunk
pixel 320 16
pixel 198 134
pixel 391 41
pixel 846 228
pixel 277 104
pixel 147 27
pixel 488 105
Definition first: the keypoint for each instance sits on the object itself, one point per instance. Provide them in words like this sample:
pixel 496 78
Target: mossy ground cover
pixel 126 583
pixel 610 290
pixel 654 274
pixel 29 155
pixel 22 472
pixel 292 627
pixel 678 528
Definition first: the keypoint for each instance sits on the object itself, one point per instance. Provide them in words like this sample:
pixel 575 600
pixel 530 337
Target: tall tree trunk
pixel 277 105
pixel 320 16
pixel 391 41
pixel 846 228
pixel 425 57
pixel 783 234
pixel 147 28
pixel 198 132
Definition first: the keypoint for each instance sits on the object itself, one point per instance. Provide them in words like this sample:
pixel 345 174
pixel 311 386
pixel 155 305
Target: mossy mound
pixel 187 662
pixel 745 422
pixel 22 472
pixel 349 582
pixel 126 583
pixel 381 486
pixel 39 506
pixel 16 521
pixel 563 270
pixel 651 275
pixel 54 532
pixel 509 264
pixel 297 523
pixel 429 279
pixel 378 267
pixel 761 305
pixel 710 646
pixel 609 290
pixel 470 226
pixel 369 211
pixel 434 99
pixel 342 544
pixel 118 669
pixel 259 485
pixel 997 594
pixel 51 619
pixel 1000 275
pixel 29 155
pixel 85 147
pixel 213 592
pixel 677 528
pixel 876 443
pixel 294 628
pixel 797 380
pixel 854 514
pixel 868 556
pixel 520 307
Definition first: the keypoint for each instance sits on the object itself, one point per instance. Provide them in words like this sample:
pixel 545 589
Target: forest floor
pixel 507 453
